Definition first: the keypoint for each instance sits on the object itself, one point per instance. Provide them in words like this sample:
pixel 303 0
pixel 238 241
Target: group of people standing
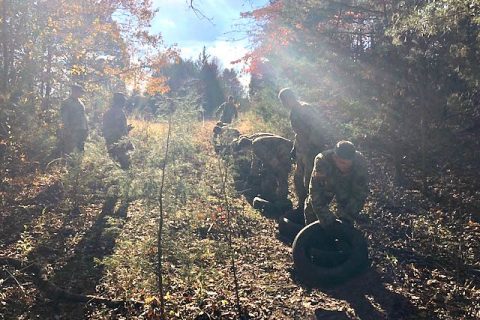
pixel 74 126
pixel 263 163
pixel 263 160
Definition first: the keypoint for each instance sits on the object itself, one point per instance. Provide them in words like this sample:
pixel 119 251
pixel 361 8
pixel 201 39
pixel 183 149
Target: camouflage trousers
pixel 120 153
pixel 301 178
pixel 226 117
pixel 270 184
pixel 274 184
pixel 241 169
pixel 73 141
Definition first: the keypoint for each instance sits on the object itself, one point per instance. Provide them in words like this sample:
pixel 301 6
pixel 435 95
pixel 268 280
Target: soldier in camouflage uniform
pixel 341 173
pixel 228 111
pixel 223 136
pixel 242 154
pixel 74 126
pixel 269 166
pixel 115 131
pixel 242 159
pixel 309 140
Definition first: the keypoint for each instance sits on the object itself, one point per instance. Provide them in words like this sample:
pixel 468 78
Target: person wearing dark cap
pixel 228 111
pixel 74 126
pixel 341 173
pixel 308 126
pixel 115 131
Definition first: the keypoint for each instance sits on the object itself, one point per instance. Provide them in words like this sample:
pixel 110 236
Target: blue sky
pixel 178 24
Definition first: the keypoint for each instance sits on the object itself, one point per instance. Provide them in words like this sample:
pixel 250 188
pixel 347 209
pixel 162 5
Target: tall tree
pixel 395 71
pixel 47 45
pixel 231 83
pixel 212 92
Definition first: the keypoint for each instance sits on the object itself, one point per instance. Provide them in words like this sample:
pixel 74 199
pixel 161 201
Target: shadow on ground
pixel 369 299
pixel 81 273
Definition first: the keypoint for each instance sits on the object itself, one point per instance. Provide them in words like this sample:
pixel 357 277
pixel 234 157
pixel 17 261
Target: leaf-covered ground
pixel 424 261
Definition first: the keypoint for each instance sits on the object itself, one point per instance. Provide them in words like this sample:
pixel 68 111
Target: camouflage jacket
pixel 228 112
pixel 350 190
pixel 273 151
pixel 307 124
pixel 73 116
pixel 115 125
pixel 224 138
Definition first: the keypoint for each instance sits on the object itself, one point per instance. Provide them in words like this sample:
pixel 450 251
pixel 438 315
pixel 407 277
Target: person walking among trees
pixel 342 173
pixel 116 129
pixel 309 141
pixel 228 111
pixel 74 125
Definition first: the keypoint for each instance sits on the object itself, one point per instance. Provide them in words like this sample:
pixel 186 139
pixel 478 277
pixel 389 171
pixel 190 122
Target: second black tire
pixel 290 224
pixel 327 273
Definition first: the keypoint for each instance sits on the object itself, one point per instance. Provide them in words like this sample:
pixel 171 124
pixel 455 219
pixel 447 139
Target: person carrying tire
pixel 306 122
pixel 115 131
pixel 341 173
pixel 329 250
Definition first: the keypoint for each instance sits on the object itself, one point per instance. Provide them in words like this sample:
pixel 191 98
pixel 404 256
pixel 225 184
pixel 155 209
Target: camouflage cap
pixel 345 150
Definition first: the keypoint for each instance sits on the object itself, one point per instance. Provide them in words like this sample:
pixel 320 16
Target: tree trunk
pixel 5 48
pixel 48 79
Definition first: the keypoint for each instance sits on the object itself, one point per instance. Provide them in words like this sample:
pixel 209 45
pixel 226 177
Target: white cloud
pixel 166 23
pixel 228 51
pixel 225 51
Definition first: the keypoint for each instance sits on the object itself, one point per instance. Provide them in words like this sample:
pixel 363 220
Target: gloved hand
pixel 346 215
pixel 347 222
pixel 326 218
pixel 329 220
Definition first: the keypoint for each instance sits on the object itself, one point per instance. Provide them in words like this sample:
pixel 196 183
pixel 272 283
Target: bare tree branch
pixel 199 13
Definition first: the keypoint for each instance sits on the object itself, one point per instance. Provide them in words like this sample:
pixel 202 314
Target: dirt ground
pixel 424 263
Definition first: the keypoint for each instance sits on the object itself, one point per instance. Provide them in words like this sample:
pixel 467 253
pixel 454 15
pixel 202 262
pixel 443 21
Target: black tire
pixel 290 224
pixel 260 203
pixel 271 209
pixel 319 267
pixel 283 206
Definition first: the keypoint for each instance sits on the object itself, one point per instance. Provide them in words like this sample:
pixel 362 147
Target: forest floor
pixel 424 263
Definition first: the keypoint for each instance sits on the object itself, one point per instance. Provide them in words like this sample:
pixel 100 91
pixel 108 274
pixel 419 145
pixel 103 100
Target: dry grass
pixel 152 128
pixel 249 123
